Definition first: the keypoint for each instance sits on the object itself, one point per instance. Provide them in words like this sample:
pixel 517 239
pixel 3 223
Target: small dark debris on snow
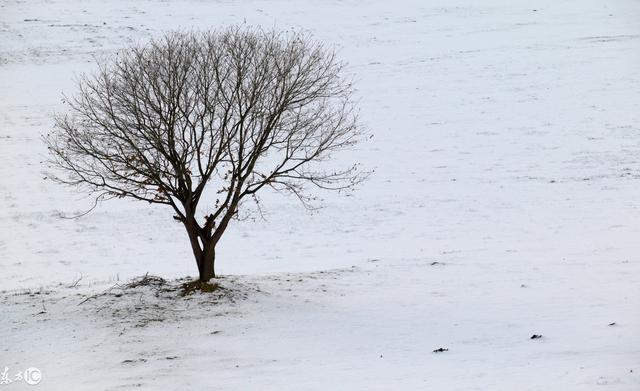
pixel 215 332
pixel 536 336
pixel 612 324
pixel 441 350
pixel 171 357
pixel 146 280
pixel 435 263
pixel 132 361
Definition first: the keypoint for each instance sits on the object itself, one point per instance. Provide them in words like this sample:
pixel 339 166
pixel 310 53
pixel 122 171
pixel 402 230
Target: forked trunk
pixel 204 251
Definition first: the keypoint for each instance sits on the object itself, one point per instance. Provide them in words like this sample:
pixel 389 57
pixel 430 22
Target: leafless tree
pixel 208 119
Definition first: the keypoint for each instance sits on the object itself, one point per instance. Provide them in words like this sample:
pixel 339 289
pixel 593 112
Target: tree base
pixel 189 288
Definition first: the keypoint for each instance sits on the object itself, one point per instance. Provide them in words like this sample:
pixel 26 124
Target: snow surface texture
pixel 505 203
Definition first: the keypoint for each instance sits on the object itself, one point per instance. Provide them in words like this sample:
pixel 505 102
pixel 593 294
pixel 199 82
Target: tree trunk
pixel 206 265
pixel 204 251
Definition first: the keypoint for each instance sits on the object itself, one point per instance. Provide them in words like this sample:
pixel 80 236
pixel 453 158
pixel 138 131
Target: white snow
pixel 505 203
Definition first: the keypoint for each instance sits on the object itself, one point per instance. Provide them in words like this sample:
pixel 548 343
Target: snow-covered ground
pixel 505 203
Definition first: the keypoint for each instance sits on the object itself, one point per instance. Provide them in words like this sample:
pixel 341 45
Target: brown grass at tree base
pixel 191 287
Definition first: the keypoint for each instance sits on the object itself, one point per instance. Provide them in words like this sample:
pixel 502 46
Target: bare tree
pixel 206 120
